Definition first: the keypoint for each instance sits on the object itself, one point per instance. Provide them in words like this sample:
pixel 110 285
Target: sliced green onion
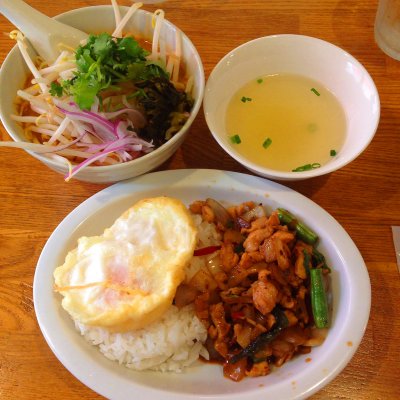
pixel 307 167
pixel 244 99
pixel 315 91
pixel 236 139
pixel 333 153
pixel 267 143
pixel 260 80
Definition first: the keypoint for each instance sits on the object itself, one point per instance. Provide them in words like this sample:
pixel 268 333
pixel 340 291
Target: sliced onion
pixel 317 337
pixel 295 335
pixel 185 294
pixel 136 116
pixel 254 213
pixel 91 160
pixel 104 129
pixel 220 212
pixel 214 265
pixel 242 223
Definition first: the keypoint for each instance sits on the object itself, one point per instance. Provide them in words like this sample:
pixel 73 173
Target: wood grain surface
pixel 363 196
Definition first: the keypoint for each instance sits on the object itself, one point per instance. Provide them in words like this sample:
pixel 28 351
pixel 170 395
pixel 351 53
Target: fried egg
pixel 127 277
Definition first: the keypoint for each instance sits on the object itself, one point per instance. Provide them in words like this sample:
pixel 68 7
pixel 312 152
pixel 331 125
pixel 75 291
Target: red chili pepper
pixel 206 250
pixel 238 315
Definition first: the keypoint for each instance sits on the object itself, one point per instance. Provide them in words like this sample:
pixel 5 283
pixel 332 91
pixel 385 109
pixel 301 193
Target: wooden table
pixel 364 196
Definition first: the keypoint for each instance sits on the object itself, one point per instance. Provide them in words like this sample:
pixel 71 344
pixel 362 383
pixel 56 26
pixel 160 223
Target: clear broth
pixel 298 121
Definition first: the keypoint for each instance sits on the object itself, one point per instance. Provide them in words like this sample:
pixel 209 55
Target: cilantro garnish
pixel 56 89
pixel 105 61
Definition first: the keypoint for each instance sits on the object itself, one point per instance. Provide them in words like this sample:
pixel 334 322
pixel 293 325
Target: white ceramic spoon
pixel 43 32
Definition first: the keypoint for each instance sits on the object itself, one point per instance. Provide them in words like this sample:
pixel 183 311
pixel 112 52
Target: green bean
pixel 303 232
pixel 319 303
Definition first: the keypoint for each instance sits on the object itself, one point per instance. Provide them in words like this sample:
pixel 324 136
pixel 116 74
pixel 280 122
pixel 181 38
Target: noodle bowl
pixel 140 25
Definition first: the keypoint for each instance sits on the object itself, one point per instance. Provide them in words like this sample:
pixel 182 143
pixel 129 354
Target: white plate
pixel 297 379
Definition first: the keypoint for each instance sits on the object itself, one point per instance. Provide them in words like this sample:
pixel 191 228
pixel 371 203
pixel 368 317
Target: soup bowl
pixel 96 19
pixel 312 58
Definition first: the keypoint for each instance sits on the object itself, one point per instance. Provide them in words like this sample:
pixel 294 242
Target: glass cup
pixel 387 27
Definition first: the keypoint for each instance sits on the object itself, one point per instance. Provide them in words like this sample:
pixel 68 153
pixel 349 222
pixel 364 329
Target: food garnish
pixel 307 167
pixel 244 99
pixel 103 62
pixel 236 139
pixel 267 143
pixel 315 91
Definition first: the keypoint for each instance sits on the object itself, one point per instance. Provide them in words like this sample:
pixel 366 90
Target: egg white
pixel 127 278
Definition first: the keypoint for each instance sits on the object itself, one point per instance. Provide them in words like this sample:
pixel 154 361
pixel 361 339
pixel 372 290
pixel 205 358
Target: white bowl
pixel 97 19
pixel 313 58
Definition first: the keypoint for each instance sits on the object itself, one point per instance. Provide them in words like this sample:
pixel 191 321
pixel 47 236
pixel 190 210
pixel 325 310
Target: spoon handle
pixel 22 15
pixel 43 32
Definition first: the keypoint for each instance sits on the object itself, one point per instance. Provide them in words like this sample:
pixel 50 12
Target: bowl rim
pixel 282 175
pixel 147 157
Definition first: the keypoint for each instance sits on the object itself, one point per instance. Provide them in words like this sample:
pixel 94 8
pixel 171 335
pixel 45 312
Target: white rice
pixel 168 345
pixel 171 344
pixel 207 235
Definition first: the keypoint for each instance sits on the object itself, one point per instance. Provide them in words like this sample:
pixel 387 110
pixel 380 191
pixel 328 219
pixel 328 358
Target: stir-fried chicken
pixel 254 304
pixel 265 294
